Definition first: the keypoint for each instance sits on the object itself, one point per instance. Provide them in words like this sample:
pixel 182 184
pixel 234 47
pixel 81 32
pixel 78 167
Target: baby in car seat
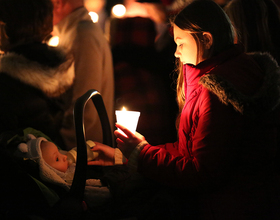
pixel 58 167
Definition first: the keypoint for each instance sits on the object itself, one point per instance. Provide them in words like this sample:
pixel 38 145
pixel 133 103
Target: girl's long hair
pixel 197 17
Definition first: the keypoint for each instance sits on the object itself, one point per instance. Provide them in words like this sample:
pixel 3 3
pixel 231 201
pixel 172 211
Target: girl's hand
pixel 126 143
pixel 106 155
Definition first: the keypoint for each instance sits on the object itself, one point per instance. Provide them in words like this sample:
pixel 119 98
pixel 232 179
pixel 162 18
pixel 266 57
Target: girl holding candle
pixel 227 124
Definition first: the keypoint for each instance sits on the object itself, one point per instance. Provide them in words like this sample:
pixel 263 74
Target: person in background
pixel 33 75
pixel 93 65
pixel 257 24
pixel 223 161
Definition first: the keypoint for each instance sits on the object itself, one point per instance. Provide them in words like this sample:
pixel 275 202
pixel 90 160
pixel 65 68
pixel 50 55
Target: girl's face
pixel 187 49
pixel 53 157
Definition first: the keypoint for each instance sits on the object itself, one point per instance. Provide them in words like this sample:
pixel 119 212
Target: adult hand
pixel 128 141
pixel 106 155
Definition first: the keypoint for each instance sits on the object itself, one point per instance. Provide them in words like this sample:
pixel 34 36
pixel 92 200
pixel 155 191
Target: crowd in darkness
pixel 204 75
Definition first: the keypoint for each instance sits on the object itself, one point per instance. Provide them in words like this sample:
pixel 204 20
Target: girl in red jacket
pixel 227 124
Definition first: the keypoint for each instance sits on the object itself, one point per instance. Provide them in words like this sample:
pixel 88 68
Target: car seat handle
pixel 78 185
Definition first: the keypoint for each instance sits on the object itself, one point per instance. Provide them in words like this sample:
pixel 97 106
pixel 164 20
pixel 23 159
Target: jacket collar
pixel 265 100
pixel 41 53
pixel 45 68
pixel 72 20
pixel 192 73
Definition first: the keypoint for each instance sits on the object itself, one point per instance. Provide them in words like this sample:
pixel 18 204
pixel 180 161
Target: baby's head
pixel 53 165
pixel 53 157
pixel 44 152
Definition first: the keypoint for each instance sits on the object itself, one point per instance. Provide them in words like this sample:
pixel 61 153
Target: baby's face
pixel 53 157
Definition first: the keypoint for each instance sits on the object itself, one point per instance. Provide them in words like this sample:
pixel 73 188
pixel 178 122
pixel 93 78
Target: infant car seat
pixel 24 196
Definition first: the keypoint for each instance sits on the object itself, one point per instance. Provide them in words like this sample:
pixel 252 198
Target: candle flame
pixel 123 109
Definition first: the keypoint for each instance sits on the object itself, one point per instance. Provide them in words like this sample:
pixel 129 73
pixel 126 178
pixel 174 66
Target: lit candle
pixel 128 119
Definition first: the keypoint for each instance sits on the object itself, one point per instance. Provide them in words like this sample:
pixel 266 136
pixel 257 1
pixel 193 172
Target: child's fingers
pixel 127 132
pixel 95 162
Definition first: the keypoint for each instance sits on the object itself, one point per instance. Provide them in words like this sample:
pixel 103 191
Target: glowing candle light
pixel 128 119
pixel 118 10
pixel 94 16
pixel 54 41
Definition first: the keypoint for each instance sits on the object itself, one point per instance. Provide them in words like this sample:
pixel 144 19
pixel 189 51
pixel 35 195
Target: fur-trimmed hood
pixel 45 68
pixel 265 100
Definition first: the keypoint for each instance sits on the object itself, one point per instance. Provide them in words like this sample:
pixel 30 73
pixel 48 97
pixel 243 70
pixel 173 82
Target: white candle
pixel 128 119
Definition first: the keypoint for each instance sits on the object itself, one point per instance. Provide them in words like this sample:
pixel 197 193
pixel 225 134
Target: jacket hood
pixel 45 68
pixel 265 100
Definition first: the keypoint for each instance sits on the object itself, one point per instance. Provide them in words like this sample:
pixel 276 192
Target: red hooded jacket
pixel 227 133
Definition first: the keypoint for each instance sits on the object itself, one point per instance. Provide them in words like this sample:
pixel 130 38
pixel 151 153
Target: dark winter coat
pixel 33 78
pixel 227 138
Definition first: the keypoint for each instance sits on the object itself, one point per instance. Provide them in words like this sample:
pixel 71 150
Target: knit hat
pixel 32 150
